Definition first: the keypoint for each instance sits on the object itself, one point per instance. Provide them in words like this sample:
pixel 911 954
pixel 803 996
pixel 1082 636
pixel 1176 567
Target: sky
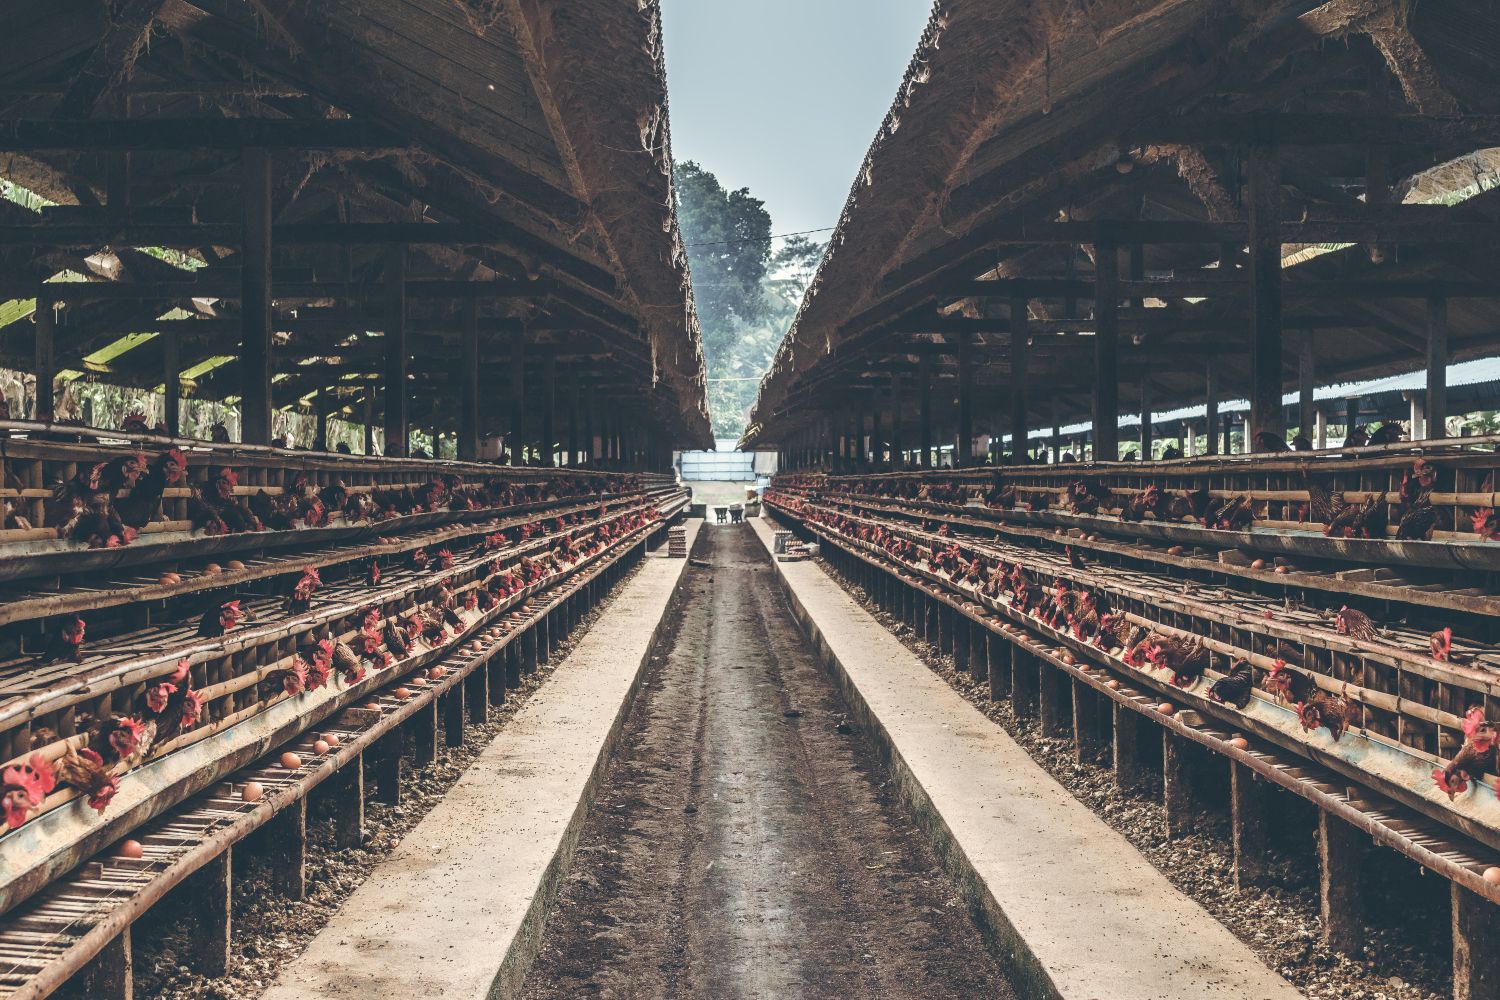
pixel 784 96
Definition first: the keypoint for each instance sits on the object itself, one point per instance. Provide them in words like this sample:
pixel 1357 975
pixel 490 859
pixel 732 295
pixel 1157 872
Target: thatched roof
pixel 541 127
pixel 1016 114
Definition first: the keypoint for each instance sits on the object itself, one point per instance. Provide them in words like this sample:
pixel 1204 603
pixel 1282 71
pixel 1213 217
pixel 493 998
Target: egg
pixel 211 569
pixel 1112 684
pixel 1239 743
pixel 290 761
pixel 417 681
pixel 1258 564
pixel 332 739
pixel 321 747
pixel 234 564
pixel 401 693
pixel 130 849
pixel 1492 876
pixel 1067 657
pixel 1283 569
pixel 1166 708
pixel 167 579
pixel 1175 550
pixel 251 791
pixel 437 673
pixel 372 706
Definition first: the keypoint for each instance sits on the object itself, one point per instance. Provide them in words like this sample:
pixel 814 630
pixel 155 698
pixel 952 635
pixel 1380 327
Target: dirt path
pixel 745 843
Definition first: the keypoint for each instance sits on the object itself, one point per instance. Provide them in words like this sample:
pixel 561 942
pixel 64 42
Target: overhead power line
pixel 759 239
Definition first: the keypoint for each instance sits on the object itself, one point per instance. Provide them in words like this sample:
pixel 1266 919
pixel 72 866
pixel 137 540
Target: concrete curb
pixel 458 909
pixel 1012 839
pixel 1010 949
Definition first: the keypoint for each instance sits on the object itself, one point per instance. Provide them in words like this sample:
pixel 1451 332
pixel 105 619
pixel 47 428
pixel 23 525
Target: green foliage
pixel 746 294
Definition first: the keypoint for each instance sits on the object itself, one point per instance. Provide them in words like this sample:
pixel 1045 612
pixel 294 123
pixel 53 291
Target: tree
pixel 747 296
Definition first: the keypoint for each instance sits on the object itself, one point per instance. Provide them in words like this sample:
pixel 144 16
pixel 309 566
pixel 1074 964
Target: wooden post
pixel 468 374
pixel 1211 405
pixel 171 381
pixel 1177 783
pixel 495 683
pixel 1340 860
pixel 1054 700
pixel 924 377
pixel 573 419
pixel 1125 750
pixel 515 438
pixel 1106 351
pixel 1086 744
pixel 1307 384
pixel 1145 438
pixel 1025 680
pixel 979 651
pixel 453 716
pixel 209 897
pixel 477 695
pixel 964 453
pixel 44 322
pixel 999 653
pixel 513 663
pixel 369 418
pixel 424 727
pixel 110 975
pixel 1247 817
pixel 1020 353
pixel 347 790
pixel 286 839
pixel 1264 185
pixel 321 407
pixel 897 459
pixel 397 426
pixel 1476 961
pixel 255 298
pixel 1437 367
pixel 549 410
pixel 962 636
pixel 388 769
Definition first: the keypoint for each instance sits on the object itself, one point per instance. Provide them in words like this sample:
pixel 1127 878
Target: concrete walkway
pixel 457 909
pixel 1075 909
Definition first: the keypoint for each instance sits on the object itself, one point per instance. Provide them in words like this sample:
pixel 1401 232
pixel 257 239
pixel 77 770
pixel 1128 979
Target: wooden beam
pixel 31 136
pixel 1437 367
pixel 1106 352
pixel 397 428
pixel 1019 376
pixel 549 410
pixel 44 355
pixel 1323 129
pixel 963 455
pixel 515 437
pixel 112 60
pixel 255 299
pixel 1264 187
pixel 468 433
pixel 924 384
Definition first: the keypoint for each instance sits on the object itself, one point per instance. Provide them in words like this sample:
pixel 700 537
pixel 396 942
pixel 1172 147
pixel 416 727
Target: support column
pixel 369 403
pixel 964 453
pixel 1054 700
pixel 45 320
pixel 924 378
pixel 1020 353
pixel 573 419
pixel 1266 415
pixel 208 892
pixel 515 438
pixel 1106 351
pixel 1437 367
pixel 1131 774
pixel 255 298
pixel 1211 394
pixel 1178 783
pixel 286 835
pixel 1025 679
pixel 1145 436
pixel 1306 384
pixel 896 443
pixel 1476 960
pixel 171 380
pixel 110 975
pixel 468 373
pixel 1341 849
pixel 589 452
pixel 347 789
pixel 1086 744
pixel 1247 817
pixel 397 412
pixel 549 410
pixel 998 649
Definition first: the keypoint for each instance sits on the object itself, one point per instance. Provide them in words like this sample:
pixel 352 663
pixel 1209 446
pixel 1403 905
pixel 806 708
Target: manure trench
pixel 745 841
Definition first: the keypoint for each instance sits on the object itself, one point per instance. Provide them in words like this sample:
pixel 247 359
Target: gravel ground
pixel 270 931
pixel 1281 922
